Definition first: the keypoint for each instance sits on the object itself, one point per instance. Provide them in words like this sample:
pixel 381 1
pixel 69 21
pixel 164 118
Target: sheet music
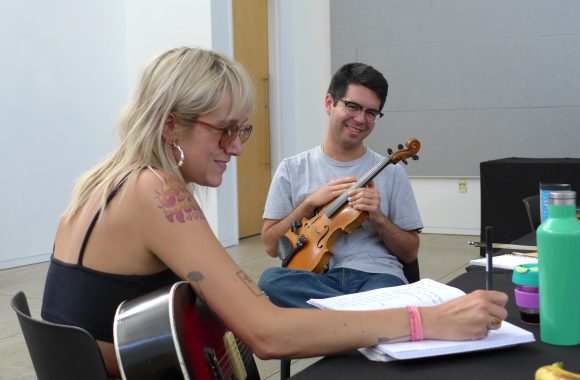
pixel 425 292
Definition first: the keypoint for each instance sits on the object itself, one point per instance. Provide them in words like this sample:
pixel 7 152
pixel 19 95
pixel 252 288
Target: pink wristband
pixel 415 323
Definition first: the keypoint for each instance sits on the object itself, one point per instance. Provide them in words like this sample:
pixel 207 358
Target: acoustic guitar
pixel 308 244
pixel 170 334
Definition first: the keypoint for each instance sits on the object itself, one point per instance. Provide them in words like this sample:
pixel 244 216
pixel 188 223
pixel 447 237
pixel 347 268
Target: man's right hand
pixel 330 191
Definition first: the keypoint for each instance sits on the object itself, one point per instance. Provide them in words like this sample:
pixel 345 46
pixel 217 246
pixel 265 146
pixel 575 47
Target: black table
pixel 517 362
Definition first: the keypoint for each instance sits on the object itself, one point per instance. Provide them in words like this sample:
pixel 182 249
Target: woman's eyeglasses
pixel 354 109
pixel 229 133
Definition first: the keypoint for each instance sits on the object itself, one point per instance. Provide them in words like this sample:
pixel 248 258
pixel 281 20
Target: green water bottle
pixel 559 263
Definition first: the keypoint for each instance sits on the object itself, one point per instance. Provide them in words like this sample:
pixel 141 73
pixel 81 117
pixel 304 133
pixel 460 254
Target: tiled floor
pixel 441 257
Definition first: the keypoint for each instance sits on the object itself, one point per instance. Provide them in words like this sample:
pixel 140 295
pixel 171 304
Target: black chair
pixel 411 271
pixel 59 351
pixel 412 274
pixel 532 204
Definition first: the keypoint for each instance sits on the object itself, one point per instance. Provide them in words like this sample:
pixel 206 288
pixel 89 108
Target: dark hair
pixel 361 74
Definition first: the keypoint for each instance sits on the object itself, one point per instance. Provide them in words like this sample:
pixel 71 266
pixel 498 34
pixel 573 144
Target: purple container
pixel 528 301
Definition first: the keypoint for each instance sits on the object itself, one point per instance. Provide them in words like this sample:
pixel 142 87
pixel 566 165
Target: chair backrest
pixel 532 204
pixel 59 351
pixel 411 271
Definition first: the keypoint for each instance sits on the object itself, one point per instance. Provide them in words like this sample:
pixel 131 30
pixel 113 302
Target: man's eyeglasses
pixel 354 109
pixel 229 133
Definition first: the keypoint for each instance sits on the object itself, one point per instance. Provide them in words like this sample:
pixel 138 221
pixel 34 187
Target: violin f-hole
pixel 319 243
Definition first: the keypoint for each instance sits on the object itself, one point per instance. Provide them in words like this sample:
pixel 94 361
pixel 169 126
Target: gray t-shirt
pixel 298 176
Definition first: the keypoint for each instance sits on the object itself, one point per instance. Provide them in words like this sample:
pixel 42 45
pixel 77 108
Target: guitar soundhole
pixel 212 361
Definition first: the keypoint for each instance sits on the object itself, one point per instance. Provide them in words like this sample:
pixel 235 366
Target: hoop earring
pixel 181 154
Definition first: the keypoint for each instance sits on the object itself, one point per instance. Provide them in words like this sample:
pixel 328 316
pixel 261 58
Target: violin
pixel 308 244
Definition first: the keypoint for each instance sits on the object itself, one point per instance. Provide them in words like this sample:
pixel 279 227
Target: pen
pixel 488 255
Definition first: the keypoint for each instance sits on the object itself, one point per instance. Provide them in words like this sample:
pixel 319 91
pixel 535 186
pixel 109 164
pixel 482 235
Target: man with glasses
pixel 371 256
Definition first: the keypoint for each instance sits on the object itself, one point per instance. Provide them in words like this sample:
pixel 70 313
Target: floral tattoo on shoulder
pixel 177 203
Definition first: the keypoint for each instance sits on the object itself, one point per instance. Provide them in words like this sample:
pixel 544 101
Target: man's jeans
pixel 292 288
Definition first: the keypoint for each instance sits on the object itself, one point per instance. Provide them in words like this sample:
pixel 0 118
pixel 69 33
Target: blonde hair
pixel 188 82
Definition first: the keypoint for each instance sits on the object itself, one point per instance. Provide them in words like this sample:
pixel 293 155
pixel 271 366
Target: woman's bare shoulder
pixel 150 180
pixel 149 177
pixel 167 192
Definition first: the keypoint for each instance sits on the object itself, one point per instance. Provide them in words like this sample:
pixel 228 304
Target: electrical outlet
pixel 462 186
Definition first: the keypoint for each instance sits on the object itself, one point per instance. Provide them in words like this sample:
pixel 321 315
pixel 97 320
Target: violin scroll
pixel 410 150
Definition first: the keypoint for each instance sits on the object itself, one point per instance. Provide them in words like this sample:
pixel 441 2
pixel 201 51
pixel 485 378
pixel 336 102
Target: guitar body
pixel 170 334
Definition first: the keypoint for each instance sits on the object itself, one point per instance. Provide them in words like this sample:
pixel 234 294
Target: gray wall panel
pixel 472 80
pixel 364 23
pixel 455 142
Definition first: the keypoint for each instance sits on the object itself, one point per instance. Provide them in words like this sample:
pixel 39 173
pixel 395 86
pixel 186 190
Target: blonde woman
pixel 133 226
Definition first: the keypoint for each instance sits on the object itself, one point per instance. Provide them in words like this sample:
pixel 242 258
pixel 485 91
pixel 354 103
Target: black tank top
pixel 79 296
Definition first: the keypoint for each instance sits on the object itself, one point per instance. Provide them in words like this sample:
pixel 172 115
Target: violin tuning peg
pixel 400 146
pixel 415 157
pixel 389 151
pixel 405 162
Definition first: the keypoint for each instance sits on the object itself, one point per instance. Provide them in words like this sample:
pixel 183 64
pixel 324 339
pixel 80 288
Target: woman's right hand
pixel 465 318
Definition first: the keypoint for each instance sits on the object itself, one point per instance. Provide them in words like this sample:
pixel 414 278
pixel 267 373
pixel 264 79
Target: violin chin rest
pixel 284 247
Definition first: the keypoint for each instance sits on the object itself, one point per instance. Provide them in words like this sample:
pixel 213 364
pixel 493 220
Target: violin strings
pixel 338 202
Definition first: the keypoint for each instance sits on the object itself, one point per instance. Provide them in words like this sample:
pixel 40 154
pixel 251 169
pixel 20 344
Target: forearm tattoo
pixel 195 278
pixel 177 203
pixel 251 284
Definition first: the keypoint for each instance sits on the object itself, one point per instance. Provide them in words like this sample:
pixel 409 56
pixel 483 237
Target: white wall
pixel 63 73
pixel 299 39
pixel 444 209
pixel 67 69
pixel 152 27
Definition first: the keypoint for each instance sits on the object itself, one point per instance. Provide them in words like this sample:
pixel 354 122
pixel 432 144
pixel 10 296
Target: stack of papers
pixel 426 292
